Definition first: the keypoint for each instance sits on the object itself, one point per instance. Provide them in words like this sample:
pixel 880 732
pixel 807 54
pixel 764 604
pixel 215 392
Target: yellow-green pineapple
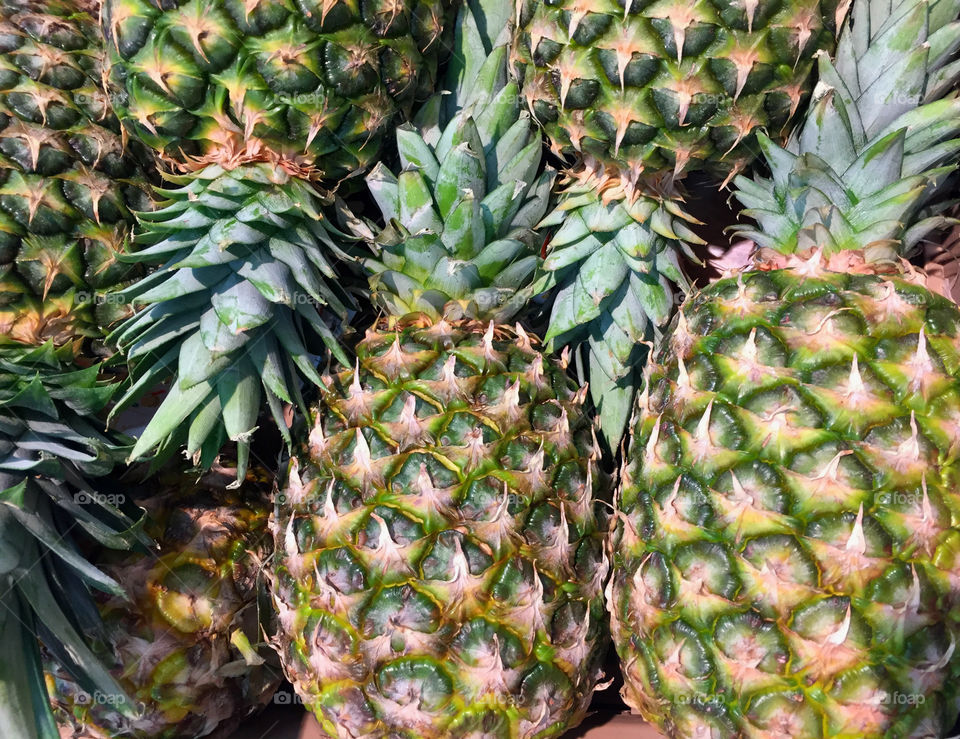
pixel 787 544
pixel 439 560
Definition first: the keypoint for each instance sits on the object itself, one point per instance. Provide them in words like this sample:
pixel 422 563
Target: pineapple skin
pixel 317 81
pixel 660 86
pixel 68 183
pixel 786 545
pixel 440 565
pixel 172 645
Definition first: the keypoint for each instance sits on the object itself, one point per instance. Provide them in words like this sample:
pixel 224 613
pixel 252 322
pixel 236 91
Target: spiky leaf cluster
pixel 243 294
pixel 50 443
pixel 49 416
pixel 616 271
pixel 318 80
pixel 880 137
pixel 68 184
pixel 460 215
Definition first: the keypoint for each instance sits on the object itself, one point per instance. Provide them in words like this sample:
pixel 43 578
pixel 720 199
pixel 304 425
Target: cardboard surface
pixel 291 722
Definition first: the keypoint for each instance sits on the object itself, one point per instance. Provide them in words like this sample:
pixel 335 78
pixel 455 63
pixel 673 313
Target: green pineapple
pixel 786 542
pixel 181 646
pixel 319 82
pixel 439 560
pixel 68 183
pixel 656 87
pixel 252 102
pixel 634 96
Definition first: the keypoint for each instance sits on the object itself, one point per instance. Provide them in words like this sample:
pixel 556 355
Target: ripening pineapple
pixel 439 561
pixel 635 95
pixel 252 103
pixel 68 183
pixel 188 646
pixel 787 548
pixel 319 82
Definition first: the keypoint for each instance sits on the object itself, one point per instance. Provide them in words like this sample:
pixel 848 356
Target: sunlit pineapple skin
pixel 69 182
pixel 786 552
pixel 439 566
pixel 660 86
pixel 320 82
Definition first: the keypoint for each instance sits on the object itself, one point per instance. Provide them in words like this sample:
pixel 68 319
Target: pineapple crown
pixel 460 215
pixel 243 293
pixel 51 443
pixel 879 140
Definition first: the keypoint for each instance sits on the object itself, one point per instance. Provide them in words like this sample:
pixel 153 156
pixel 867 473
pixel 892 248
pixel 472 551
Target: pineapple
pixel 439 562
pixel 253 104
pixel 786 544
pixel 319 82
pixel 181 644
pixel 51 447
pixel 635 96
pixel 68 185
pixel 658 87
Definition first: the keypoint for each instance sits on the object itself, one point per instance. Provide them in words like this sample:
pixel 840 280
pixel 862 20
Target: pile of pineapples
pixel 274 405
